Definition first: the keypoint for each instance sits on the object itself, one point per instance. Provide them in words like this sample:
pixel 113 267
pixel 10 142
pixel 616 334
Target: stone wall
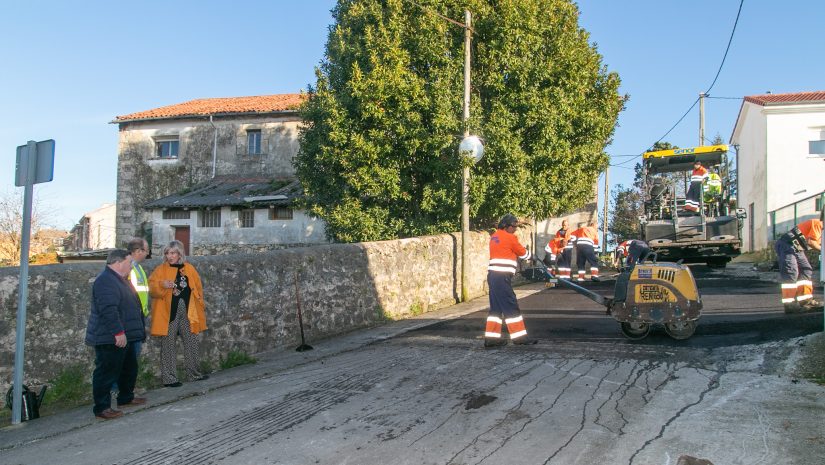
pixel 251 299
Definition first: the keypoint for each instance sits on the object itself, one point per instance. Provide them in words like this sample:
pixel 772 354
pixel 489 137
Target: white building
pixel 779 183
pixel 94 231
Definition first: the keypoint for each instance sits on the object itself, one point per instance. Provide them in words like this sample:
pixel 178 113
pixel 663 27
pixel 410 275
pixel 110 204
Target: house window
pixel 247 218
pixel 175 214
pixel 253 142
pixel 166 148
pixel 209 218
pixel 280 213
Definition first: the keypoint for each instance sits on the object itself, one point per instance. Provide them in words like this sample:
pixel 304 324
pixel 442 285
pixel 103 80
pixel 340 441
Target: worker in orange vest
pixel 505 251
pixel 795 270
pixel 694 193
pixel 633 250
pixel 586 238
pixel 565 258
pixel 551 253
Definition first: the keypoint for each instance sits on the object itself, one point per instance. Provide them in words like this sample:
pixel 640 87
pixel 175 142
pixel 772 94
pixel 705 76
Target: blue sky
pixel 71 67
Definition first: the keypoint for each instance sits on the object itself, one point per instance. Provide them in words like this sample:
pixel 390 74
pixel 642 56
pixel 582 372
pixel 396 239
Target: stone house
pixel 779 183
pixel 214 144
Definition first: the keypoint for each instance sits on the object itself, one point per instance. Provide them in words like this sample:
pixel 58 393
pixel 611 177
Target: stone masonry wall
pixel 251 299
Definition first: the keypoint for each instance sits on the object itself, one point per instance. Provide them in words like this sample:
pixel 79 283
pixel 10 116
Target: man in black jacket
pixel 115 322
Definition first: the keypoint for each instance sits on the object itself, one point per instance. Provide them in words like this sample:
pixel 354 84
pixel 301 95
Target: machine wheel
pixel 681 329
pixel 635 331
pixel 717 263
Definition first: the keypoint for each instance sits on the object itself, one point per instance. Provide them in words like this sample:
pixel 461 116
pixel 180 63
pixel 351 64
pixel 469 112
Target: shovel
pixel 304 346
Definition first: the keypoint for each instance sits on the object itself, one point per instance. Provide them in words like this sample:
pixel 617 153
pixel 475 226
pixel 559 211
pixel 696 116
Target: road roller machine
pixel 648 294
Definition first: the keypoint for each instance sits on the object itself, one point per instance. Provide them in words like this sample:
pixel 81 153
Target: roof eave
pixel 202 115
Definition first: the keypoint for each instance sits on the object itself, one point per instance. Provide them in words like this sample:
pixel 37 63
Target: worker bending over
pixel 795 270
pixel 633 251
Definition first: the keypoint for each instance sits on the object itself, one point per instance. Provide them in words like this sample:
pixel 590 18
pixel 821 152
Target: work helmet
pixel 508 220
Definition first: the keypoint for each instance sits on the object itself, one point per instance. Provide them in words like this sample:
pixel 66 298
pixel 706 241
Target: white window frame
pixel 288 214
pixel 209 218
pixel 246 218
pixel 173 146
pixel 254 141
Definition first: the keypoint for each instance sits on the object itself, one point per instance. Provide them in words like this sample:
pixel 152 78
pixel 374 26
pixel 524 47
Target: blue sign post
pixel 35 164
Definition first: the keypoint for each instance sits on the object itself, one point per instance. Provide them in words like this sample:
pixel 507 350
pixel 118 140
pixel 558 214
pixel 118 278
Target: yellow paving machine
pixel 714 235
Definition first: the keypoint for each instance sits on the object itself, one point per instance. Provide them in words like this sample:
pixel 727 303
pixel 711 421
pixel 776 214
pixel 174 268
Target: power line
pixel 719 71
pixel 735 22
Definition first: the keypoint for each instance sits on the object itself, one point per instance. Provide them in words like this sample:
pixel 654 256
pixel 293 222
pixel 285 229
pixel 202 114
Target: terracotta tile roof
pixel 217 106
pixel 784 99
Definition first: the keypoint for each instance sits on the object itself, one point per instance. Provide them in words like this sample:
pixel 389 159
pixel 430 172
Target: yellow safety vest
pixel 714 187
pixel 141 284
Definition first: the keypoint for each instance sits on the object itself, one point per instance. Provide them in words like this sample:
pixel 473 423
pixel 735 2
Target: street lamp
pixel 470 151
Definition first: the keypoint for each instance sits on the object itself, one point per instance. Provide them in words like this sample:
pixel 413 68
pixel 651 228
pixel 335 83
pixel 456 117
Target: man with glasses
pixel 138 251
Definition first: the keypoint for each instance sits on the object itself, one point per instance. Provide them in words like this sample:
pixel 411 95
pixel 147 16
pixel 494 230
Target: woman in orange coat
pixel 177 308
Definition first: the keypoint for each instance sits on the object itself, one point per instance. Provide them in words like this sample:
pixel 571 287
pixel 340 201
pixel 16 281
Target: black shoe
pixel 595 278
pixel 494 342
pixel 202 377
pixel 175 384
pixel 525 341
pixel 792 307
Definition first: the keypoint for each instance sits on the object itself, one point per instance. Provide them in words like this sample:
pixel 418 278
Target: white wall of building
pixel 774 168
pixel 301 229
pixel 752 176
pixel 101 227
pixel 793 174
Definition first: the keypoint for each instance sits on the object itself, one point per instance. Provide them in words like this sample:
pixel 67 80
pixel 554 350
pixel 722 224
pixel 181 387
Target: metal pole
pixel 702 119
pixel 606 201
pixel 822 246
pixel 465 172
pixel 23 292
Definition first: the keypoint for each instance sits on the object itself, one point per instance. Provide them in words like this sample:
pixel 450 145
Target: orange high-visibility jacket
pixel 555 246
pixel 505 250
pixel 811 229
pixel 585 235
pixel 699 174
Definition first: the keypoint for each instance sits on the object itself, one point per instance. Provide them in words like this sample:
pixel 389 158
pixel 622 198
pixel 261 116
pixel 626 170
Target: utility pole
pixel 702 96
pixel 606 201
pixel 465 171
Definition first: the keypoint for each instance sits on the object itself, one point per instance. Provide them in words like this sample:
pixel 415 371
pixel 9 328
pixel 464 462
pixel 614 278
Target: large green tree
pixel 378 156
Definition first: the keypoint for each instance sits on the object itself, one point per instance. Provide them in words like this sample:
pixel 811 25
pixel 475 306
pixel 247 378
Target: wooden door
pixel 182 234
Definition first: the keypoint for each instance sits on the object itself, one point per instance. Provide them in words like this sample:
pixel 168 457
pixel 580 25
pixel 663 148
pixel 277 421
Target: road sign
pixel 35 163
